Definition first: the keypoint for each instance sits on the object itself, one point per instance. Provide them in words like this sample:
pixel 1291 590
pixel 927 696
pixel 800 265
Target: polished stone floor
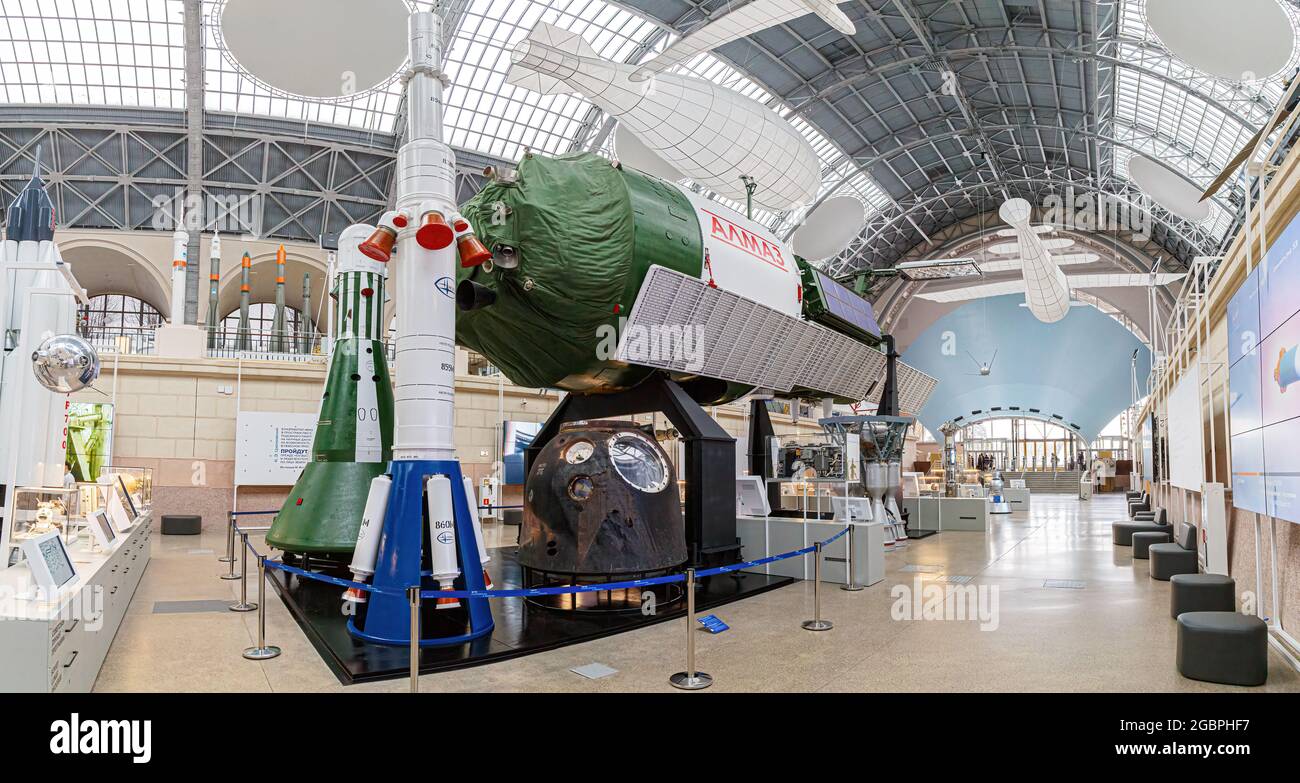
pixel 1106 627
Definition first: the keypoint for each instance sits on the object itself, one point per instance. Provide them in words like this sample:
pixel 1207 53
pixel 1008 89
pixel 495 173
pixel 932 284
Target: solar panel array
pixel 680 324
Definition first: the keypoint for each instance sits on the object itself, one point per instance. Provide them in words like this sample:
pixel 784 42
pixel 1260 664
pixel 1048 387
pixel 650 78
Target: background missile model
pixel 36 302
pixel 245 269
pixel 277 325
pixel 214 283
pixel 306 325
pixel 180 261
pixel 587 250
pixel 354 432
pixel 708 132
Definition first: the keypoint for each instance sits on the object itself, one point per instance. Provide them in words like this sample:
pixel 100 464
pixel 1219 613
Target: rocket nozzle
pixel 471 295
pixel 379 245
pixel 434 233
pixel 472 250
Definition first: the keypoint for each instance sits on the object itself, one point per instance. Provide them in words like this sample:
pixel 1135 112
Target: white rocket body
pixel 368 535
pixel 442 537
pixel 426 279
pixel 38 304
pixel 353 273
pixel 476 514
pixel 180 261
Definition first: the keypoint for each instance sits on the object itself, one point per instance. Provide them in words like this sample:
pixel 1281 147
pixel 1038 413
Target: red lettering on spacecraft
pixel 727 232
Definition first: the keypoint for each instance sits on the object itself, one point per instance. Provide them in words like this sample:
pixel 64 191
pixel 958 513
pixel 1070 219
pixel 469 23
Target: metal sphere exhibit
pixel 65 363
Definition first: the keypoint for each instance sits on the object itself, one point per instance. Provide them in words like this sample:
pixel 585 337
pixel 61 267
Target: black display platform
pixel 521 627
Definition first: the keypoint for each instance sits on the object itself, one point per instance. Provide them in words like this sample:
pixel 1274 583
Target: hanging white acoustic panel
pixel 710 133
pixel 741 23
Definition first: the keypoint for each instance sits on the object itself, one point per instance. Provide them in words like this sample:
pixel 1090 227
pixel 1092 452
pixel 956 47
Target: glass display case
pixel 133 484
pixel 41 510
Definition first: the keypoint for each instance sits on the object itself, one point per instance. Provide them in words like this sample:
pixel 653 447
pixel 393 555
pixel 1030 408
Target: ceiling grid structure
pixel 933 111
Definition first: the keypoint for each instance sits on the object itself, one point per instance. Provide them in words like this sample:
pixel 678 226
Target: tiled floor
pixel 1112 634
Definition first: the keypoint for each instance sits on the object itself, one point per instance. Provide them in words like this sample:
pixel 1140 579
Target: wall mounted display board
pixel 271 449
pixel 1186 449
pixel 1264 383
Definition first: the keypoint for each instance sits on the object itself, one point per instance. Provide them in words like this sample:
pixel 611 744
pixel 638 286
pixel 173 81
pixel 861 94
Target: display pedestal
pixel 182 341
pixel 400 561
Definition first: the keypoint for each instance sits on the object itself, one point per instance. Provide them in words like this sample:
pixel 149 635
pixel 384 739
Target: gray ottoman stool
pixel 181 525
pixel 1201 593
pixel 1223 647
pixel 1122 532
pixel 1144 539
pixel 1178 558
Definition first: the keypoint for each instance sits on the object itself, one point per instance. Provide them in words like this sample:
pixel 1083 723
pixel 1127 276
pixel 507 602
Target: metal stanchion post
pixel 817 623
pixel 850 579
pixel 243 605
pixel 413 593
pixel 263 650
pixel 229 575
pixel 230 540
pixel 690 680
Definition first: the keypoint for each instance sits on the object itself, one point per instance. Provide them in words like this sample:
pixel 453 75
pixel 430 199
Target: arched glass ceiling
pixel 97 52
pixel 131 53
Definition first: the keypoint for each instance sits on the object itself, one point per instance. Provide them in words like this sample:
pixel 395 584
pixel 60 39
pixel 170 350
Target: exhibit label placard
pixel 1186 452
pixel 271 449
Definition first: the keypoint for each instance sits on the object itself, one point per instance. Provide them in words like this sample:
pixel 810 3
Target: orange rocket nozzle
pixel 487 580
pixel 379 245
pixel 354 595
pixel 433 233
pixel 472 250
pixel 450 602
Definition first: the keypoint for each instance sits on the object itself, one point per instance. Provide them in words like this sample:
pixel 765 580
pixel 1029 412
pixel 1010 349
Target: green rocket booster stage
pixel 354 433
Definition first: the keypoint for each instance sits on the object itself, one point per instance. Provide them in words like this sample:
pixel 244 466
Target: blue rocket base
pixel 398 564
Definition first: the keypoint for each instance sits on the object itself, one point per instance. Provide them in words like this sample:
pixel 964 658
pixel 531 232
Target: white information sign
pixel 1186 452
pixel 271 449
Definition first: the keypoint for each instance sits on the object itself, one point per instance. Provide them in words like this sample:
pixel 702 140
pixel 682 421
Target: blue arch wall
pixel 1078 367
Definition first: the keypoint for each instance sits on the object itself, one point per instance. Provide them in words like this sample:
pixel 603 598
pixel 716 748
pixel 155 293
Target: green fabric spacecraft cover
pixel 570 219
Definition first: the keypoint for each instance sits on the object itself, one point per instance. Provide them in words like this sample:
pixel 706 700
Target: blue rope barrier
pixel 252 513
pixel 561 590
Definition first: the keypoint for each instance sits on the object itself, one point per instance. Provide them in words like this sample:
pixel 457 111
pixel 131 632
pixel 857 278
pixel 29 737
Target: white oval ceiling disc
pixel 829 228
pixel 1168 189
pixel 1242 40
pixel 634 154
pixel 317 48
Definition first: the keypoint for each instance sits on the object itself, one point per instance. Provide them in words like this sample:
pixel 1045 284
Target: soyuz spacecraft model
pixel 37 301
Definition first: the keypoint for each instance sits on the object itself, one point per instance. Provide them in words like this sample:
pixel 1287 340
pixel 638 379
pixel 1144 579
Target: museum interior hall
pixel 650 346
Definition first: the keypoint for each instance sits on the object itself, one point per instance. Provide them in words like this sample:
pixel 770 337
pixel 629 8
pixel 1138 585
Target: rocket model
pixel 354 433
pixel 214 282
pixel 575 242
pixel 180 261
pixel 424 530
pixel 277 326
pixel 708 132
pixel 245 269
pixel 305 346
pixel 36 302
